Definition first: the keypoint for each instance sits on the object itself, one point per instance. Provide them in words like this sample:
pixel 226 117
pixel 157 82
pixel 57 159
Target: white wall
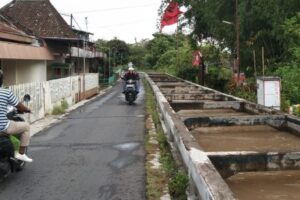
pixel 31 71
pixel 45 95
pixel 24 71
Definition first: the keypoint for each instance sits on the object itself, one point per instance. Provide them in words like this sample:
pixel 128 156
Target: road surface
pixel 95 153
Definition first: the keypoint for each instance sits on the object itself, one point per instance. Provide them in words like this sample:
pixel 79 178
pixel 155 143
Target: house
pixel 73 54
pixel 23 57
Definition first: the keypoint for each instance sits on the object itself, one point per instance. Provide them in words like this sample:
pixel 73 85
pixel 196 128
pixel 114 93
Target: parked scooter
pixel 130 91
pixel 9 144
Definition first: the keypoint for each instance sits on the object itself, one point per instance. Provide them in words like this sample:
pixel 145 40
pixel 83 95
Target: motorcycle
pixel 130 91
pixel 9 144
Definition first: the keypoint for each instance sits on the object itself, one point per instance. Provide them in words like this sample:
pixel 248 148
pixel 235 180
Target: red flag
pixel 170 15
pixel 197 56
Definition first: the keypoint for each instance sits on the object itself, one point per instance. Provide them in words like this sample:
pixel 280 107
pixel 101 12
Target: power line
pixel 122 24
pixel 77 23
pixel 111 9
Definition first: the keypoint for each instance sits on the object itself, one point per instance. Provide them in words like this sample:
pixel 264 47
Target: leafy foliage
pixel 292 35
pixel 290 82
pixel 218 78
pixel 116 50
pixel 178 184
pixel 157 47
pixel 137 53
pixel 60 109
pixel 260 26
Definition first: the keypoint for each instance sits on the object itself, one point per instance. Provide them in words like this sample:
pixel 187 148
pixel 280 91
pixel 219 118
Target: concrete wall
pixel 208 183
pixel 24 71
pixel 9 70
pixel 45 95
pixel 208 169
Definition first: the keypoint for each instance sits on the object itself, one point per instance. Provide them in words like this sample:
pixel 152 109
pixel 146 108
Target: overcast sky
pixel 125 19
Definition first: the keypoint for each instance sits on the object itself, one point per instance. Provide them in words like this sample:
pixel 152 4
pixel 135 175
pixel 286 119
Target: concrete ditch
pixel 231 148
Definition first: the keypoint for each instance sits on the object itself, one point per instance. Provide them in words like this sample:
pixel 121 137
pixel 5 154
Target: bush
pixel 247 91
pixel 290 82
pixel 178 185
pixel 64 104
pixel 58 110
pixel 189 73
pixel 218 78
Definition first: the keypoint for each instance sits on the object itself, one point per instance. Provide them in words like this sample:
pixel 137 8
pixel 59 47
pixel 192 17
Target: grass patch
pixel 60 109
pixel 170 175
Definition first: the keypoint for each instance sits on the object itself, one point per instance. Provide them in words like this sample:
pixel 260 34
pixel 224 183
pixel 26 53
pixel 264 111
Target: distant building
pixel 68 47
pixel 22 57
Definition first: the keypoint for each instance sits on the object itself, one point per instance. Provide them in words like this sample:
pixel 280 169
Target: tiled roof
pixel 7 27
pixel 39 17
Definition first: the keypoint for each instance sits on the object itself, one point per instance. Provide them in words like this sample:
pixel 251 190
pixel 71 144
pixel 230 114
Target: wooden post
pixel 200 75
pixel 177 49
pixel 254 63
pixel 263 60
pixel 237 27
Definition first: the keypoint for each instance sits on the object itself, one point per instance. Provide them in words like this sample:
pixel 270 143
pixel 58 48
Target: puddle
pixel 123 161
pixel 125 156
pixel 127 146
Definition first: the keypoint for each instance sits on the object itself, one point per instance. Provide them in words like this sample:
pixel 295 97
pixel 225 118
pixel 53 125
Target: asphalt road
pixel 95 153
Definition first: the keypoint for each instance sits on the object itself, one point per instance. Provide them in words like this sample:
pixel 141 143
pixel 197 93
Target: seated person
pixel 131 74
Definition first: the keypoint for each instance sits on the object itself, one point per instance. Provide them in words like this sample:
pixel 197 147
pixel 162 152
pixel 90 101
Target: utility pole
pixel 237 27
pixel 71 21
pixel 84 55
pixel 109 63
pixel 83 78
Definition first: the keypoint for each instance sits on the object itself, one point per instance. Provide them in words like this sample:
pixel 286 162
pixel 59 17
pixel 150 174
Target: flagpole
pixel 177 48
pixel 169 17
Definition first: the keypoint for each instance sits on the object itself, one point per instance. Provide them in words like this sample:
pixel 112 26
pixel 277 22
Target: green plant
pixel 64 104
pixel 178 185
pixel 289 74
pixel 169 174
pixel 60 109
pixel 296 110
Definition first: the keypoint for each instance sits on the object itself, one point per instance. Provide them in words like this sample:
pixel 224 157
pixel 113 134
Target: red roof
pixel 39 17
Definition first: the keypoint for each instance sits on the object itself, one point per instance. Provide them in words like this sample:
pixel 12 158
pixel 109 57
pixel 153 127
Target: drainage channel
pixel 232 148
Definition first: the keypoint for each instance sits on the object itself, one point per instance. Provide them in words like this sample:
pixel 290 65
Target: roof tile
pixel 39 17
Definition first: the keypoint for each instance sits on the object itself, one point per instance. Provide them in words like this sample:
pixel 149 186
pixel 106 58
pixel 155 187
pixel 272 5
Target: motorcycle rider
pixel 133 75
pixel 12 127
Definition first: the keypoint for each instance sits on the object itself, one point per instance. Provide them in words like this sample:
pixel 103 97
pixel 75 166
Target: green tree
pixel 157 47
pixel 137 52
pixel 290 82
pixel 260 26
pixel 292 34
pixel 118 51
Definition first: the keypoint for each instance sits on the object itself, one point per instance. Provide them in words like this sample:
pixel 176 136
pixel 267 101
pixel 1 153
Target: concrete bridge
pixel 231 148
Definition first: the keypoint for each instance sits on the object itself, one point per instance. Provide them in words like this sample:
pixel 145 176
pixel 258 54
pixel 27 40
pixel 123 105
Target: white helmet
pixel 130 68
